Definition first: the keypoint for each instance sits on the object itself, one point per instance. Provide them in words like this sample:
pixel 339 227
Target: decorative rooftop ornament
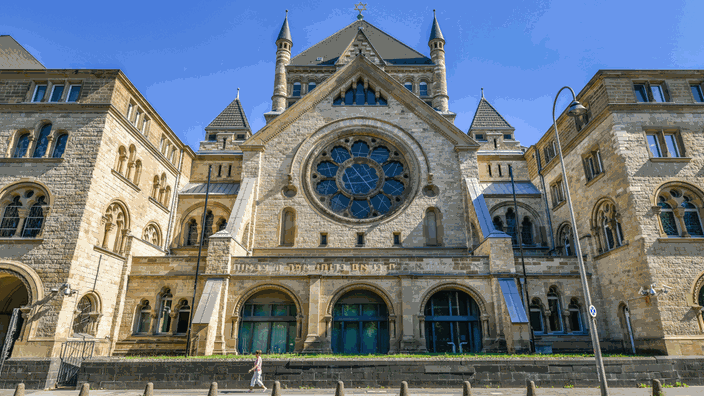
pixel 360 7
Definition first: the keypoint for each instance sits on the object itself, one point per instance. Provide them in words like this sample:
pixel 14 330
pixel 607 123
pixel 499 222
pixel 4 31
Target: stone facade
pixel 286 267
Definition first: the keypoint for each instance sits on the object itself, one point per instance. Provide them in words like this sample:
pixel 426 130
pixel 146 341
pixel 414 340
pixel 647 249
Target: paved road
pixel 691 391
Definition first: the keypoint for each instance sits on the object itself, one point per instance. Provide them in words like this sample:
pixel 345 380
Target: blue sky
pixel 188 58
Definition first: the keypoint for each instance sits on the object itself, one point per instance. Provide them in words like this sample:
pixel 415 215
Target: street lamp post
pixel 576 109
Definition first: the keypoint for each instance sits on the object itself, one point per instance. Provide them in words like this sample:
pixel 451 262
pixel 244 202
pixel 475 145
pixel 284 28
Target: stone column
pixel 679 214
pixel 313 342
pixel 566 321
pixel 50 140
pixel 22 213
pixel 393 343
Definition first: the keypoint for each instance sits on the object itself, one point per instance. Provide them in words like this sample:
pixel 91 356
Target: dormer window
pixel 508 136
pixel 296 89
pixel 480 136
pixel 213 137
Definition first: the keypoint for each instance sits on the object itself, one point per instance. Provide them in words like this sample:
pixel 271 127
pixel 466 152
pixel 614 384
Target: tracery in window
pixel 10 218
pixel 86 319
pixel 152 234
pixel 23 209
pixel 116 226
pixel 679 208
pixel 565 240
pixel 143 318
pixel 555 307
pixel 35 220
pixel 606 226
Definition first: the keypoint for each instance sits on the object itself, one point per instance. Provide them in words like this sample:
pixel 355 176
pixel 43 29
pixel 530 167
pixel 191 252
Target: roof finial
pixel 482 92
pixel 360 7
pixel 433 12
pixel 238 93
pixel 286 14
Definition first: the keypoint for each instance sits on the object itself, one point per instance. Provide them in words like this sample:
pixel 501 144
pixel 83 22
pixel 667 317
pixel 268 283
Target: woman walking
pixel 257 377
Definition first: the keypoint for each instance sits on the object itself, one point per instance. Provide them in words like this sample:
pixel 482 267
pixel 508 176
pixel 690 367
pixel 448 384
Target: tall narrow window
pixel 42 142
pixel 208 226
pixel 144 317
pixel 60 146
pixel 498 224
pixel 10 218
pixel 697 93
pixel 288 227
pixel 296 89
pixel 323 239
pixel 192 233
pixel 527 232
pixel 423 88
pixel 164 319
pixel 654 144
pixel 222 224
pixel 536 317
pixel 500 172
pixel 35 219
pixel 575 317
pixel 641 93
pixel 184 313
pixel 658 93
pixel 39 92
pixel 408 85
pixel 74 91
pixel 511 226
pixel 397 239
pixel 488 167
pixel 56 92
pixel 360 239
pixel 555 311
pixel 692 221
pixel 672 146
pixel 359 94
pixel 22 146
pixel 311 87
pixel 432 228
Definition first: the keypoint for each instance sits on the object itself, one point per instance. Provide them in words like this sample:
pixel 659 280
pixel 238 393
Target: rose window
pixel 360 177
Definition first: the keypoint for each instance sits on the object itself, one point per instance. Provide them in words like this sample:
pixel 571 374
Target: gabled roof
pixel 361 65
pixel 393 51
pixel 14 56
pixel 232 117
pixel 486 117
pixel 360 43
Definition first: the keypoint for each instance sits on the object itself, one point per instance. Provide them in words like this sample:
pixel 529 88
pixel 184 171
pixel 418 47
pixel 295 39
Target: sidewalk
pixel 691 391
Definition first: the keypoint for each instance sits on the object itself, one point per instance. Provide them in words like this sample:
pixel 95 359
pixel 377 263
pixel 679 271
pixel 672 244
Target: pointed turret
pixel 228 129
pixel 283 57
pixel 437 54
pixel 491 130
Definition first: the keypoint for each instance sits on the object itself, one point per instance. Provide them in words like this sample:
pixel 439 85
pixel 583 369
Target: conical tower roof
pixel 435 32
pixel 285 33
pixel 486 117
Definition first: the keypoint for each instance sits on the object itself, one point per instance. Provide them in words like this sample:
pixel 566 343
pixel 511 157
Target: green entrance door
pixel 360 324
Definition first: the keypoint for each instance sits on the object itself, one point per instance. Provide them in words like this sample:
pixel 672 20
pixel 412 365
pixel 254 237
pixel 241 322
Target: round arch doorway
pixel 360 324
pixel 452 323
pixel 268 323
pixel 13 294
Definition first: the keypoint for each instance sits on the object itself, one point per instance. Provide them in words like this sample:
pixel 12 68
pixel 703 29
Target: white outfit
pixel 257 376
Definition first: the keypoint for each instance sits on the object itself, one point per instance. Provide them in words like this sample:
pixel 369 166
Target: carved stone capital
pixel 656 209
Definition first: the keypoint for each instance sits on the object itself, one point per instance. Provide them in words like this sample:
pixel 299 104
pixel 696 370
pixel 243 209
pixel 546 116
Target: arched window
pixel 431 228
pixel 167 196
pixel 144 318
pixel 208 226
pixel 606 226
pixel 137 172
pixel 155 187
pixel 268 323
pixel 408 85
pixel 452 323
pixel 116 224
pixel 576 325
pixel 700 298
pixel 423 88
pixel 555 318
pixel 86 318
pixel 296 89
pixel 162 188
pixel 288 227
pixel 536 316
pixel 131 161
pixel 184 313
pixel 60 146
pixel 360 324
pixel 564 237
pixel 311 86
pixel 152 234
pixel 527 232
pixel 22 146
pixel 121 160
pixel 511 225
pixel 164 318
pixel 42 142
pixel 679 211
pixel 35 220
pixel 192 233
pixel 222 223
pixel 349 97
pixel 498 224
pixel 10 218
pixel 359 94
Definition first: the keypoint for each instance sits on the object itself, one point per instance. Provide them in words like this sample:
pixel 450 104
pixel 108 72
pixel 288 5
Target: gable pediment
pixel 360 45
pixel 364 70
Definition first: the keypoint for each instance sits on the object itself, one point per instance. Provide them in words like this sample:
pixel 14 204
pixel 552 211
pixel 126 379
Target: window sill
pixel 109 252
pixel 680 239
pixel 594 179
pixel 126 180
pixel 608 253
pixel 158 204
pixel 559 205
pixel 18 240
pixel 670 159
pixel 33 160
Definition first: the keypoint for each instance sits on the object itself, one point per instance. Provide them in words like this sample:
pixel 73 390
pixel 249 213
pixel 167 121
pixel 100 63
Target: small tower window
pixel 397 239
pixel 488 167
pixel 211 138
pixel 500 173
pixel 360 239
pixel 508 136
pixel 323 239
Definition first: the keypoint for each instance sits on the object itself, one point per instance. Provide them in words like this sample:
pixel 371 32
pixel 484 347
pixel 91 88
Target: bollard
pixel 340 390
pixel 657 388
pixel 213 389
pixel 531 389
pixel 404 389
pixel 277 389
pixel 85 388
pixel 149 389
pixel 467 389
pixel 19 390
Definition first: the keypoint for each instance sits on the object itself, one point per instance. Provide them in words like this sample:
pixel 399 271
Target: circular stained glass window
pixel 360 177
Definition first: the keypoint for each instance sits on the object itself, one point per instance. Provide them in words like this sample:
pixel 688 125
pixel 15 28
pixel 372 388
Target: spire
pixel 285 33
pixel 238 92
pixel 435 33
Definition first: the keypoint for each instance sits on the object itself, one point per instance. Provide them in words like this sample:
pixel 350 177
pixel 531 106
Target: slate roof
pixel 435 32
pixel 14 56
pixel 232 117
pixel 504 188
pixel 390 49
pixel 215 189
pixel 285 33
pixel 487 117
